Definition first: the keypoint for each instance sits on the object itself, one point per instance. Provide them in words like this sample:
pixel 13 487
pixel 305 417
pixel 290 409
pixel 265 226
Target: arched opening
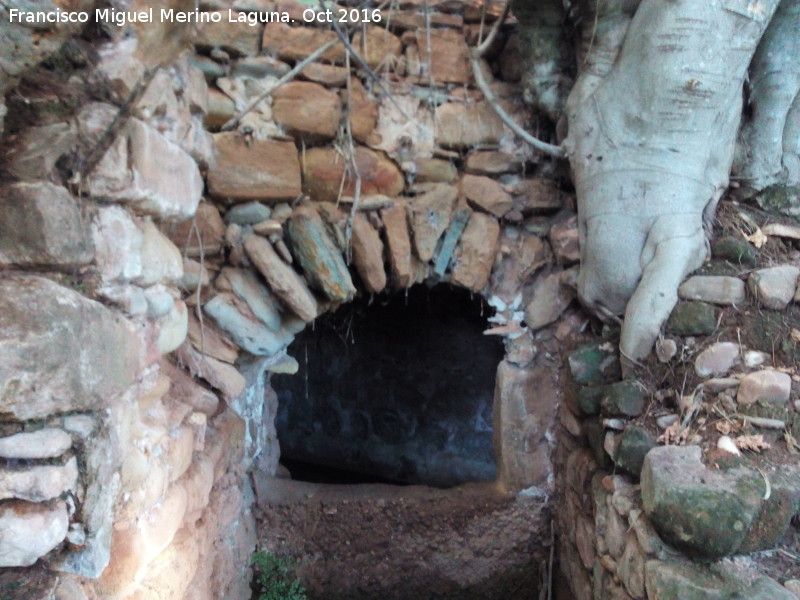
pixel 395 389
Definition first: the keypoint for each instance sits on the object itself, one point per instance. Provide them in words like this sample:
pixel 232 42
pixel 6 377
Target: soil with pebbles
pixel 377 541
pixel 755 328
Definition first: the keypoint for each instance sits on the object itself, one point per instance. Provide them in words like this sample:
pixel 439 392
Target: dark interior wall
pixel 399 388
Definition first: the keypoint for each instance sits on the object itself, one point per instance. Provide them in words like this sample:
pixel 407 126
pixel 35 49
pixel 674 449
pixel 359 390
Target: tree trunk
pixel 653 120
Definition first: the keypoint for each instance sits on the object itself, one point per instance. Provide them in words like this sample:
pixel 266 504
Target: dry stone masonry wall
pixel 147 294
pixel 148 291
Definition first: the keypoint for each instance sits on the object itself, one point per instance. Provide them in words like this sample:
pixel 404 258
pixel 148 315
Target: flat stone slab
pixel 715 289
pixel 262 170
pixel 50 442
pixel 245 329
pixel 41 225
pixel 690 581
pixel 281 278
pixel 245 284
pixel 38 483
pixel 318 255
pixel 430 216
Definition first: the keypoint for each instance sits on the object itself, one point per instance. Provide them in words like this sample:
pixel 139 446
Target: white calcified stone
pixel 39 483
pixel 715 289
pixel 118 244
pixel 717 359
pixel 45 443
pixel 150 173
pixel 80 425
pixel 755 358
pixel 768 385
pixel 774 287
pixel 161 259
pixel 29 531
pixel 159 300
pixel 726 443
pixel 173 328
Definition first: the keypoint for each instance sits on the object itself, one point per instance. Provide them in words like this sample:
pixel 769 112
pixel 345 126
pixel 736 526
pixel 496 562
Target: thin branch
pixel 234 122
pixel 110 135
pixel 351 152
pixel 428 52
pixel 549 149
pixel 484 46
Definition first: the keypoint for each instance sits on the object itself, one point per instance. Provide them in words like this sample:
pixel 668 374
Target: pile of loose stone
pixel 670 519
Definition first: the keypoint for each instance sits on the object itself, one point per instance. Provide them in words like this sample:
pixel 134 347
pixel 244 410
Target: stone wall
pixel 122 475
pixel 151 288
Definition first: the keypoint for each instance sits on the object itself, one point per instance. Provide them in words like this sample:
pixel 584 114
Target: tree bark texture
pixel 653 120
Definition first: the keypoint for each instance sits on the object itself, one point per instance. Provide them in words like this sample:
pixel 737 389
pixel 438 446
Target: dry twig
pixel 549 149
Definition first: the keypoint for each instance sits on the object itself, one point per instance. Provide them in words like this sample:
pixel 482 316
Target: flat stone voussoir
pixel 316 252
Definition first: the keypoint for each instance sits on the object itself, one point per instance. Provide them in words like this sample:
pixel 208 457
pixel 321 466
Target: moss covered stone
pixel 704 513
pixel 776 512
pixel 689 581
pixel 780 198
pixel 594 364
pixel 636 442
pixel 595 436
pixel 623 399
pixel 734 249
pixel 692 318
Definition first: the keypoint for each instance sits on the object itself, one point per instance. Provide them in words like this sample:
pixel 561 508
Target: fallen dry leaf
pixel 754 443
pixel 795 335
pixel 674 434
pixel 723 427
pixel 757 238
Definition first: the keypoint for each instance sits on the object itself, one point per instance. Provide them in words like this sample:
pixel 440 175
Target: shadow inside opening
pixel 396 389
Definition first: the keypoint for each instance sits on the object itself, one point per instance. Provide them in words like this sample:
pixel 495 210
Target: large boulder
pixel 144 170
pixel 61 352
pixel 703 512
pixel 41 224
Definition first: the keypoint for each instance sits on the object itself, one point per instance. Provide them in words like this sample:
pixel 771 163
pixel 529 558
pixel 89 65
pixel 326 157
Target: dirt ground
pixel 757 329
pixel 371 541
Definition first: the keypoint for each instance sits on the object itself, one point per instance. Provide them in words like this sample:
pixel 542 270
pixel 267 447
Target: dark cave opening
pixel 396 389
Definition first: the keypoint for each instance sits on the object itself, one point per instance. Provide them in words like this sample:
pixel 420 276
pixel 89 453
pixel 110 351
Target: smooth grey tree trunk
pixel 769 150
pixel 653 120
